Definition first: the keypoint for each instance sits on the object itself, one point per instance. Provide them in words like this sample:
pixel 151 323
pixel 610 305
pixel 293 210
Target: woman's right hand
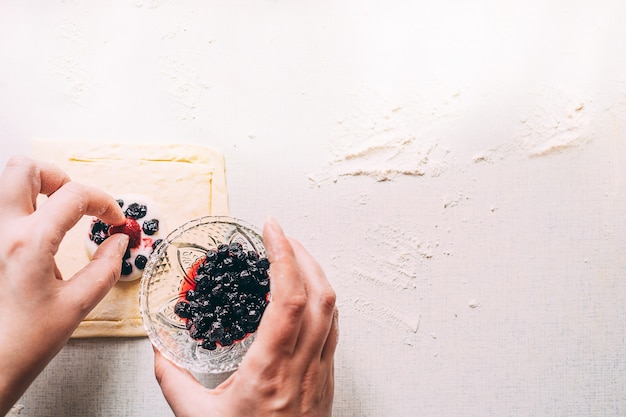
pixel 289 369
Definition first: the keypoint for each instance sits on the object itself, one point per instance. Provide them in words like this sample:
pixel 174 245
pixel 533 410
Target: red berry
pixel 130 228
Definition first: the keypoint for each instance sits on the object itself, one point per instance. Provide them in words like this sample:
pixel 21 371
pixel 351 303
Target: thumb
pixel 89 285
pixel 181 389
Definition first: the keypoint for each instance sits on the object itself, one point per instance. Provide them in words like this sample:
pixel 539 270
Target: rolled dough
pixel 185 180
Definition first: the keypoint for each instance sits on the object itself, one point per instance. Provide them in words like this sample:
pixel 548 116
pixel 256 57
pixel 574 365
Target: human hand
pixel 289 369
pixel 39 310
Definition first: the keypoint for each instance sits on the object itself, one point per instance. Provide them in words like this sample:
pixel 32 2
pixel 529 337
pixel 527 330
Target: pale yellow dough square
pixel 186 181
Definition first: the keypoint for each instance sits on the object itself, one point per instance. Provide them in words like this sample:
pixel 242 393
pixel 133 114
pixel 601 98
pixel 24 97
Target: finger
pixel 320 310
pixel 24 179
pixel 68 204
pixel 328 352
pixel 88 286
pixel 280 325
pixel 181 389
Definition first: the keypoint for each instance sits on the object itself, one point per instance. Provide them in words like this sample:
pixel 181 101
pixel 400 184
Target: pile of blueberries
pixel 230 295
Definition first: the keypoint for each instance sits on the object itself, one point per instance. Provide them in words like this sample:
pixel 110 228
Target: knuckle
pixel 328 300
pixel 79 193
pixel 74 187
pixel 296 304
pixel 18 240
pixel 22 161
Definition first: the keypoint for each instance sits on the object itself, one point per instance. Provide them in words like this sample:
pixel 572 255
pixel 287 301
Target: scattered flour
pixel 385 141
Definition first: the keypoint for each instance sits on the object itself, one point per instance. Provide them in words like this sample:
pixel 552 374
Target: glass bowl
pixel 162 282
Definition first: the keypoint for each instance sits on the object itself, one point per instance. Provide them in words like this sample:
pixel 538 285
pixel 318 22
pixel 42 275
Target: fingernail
pixel 122 243
pixel 272 225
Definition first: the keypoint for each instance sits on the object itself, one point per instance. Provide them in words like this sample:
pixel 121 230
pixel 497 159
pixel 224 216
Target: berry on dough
pixel 145 229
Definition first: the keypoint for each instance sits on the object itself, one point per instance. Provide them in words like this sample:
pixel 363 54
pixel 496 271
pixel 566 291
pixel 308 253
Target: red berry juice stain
pixel 189 283
pixel 147 242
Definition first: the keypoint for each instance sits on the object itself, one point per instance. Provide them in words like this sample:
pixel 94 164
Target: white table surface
pixel 458 168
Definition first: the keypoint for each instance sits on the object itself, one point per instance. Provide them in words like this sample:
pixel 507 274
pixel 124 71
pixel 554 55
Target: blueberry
pixel 226 340
pixel 227 264
pixel 140 261
pixel 239 310
pixel 150 227
pixel 99 226
pixel 195 332
pixel 99 232
pixel 254 316
pixel 98 238
pixel 248 326
pixel 203 283
pixel 222 251
pixel 136 211
pixel 182 310
pixel 208 345
pixel 127 268
pixel 204 323
pixel 263 264
pixel 211 256
pixel 245 277
pixel 216 332
pixel 237 332
pixel 156 243
pixel 235 249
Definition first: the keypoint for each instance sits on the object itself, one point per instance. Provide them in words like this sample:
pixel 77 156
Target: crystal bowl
pixel 162 282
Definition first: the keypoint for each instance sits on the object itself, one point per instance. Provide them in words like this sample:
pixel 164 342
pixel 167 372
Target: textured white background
pixel 458 168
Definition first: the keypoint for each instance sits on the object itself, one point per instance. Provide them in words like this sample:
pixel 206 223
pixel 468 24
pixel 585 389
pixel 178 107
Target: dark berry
pixel 245 277
pixel 98 238
pixel 140 261
pixel 239 310
pixel 183 310
pixel 150 227
pixel 211 256
pixel 263 264
pixel 208 345
pixel 222 251
pixel 253 316
pixel 127 253
pixel 237 332
pixel 99 232
pixel 248 326
pixel 156 243
pixel 127 268
pixel 203 283
pixel 216 332
pixel 136 211
pixel 226 340
pixel 99 226
pixel 120 202
pixel 228 264
pixel 195 332
pixel 235 249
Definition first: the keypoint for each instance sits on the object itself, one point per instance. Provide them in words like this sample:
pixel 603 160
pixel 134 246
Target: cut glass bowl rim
pixel 225 359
